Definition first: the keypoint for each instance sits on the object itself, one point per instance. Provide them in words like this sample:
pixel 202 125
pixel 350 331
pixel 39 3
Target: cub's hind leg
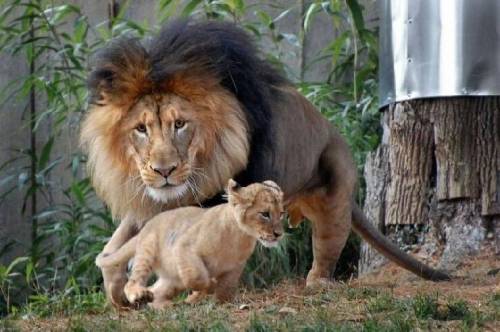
pixel 144 260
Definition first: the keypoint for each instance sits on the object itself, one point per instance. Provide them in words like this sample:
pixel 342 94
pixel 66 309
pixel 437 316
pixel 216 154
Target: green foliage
pixel 425 306
pixel 69 224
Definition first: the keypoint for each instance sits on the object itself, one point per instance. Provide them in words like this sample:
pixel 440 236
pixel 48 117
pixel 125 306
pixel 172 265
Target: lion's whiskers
pixel 192 186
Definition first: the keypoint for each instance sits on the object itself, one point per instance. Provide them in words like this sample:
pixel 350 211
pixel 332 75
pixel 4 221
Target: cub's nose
pixel 165 172
pixel 277 233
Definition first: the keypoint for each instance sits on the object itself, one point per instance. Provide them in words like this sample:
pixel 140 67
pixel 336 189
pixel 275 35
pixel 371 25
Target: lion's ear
pixel 119 73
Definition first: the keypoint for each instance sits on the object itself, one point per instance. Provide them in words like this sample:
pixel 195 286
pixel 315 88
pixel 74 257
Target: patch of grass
pixel 495 301
pixel 65 303
pixel 354 293
pixel 426 306
pixel 381 303
pixel 338 308
pixel 458 310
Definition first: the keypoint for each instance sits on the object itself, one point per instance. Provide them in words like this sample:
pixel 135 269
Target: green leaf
pixel 78 193
pixel 190 7
pixel 45 154
pixel 357 14
pixel 311 11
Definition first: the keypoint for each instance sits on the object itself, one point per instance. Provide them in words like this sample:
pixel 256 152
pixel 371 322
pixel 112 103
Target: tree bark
pixel 433 185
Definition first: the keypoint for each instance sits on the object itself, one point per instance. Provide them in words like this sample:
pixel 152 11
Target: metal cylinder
pixel 439 48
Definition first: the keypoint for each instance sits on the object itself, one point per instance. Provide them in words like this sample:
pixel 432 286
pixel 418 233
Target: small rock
pixel 493 272
pixel 244 307
pixel 287 310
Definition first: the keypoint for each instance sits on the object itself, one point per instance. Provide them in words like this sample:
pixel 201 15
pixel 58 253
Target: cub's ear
pixel 235 193
pixel 119 73
pixel 232 186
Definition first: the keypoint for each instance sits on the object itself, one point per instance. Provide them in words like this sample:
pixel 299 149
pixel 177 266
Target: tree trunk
pixel 433 185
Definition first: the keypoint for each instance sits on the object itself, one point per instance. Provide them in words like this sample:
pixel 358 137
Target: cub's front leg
pixel 227 284
pixel 145 256
pixel 194 275
pixel 163 290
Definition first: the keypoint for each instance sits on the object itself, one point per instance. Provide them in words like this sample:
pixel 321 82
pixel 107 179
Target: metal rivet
pixel 409 60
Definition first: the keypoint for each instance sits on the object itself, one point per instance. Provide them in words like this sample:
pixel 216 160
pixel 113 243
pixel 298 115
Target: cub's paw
pixel 160 305
pixel 136 293
pixel 195 297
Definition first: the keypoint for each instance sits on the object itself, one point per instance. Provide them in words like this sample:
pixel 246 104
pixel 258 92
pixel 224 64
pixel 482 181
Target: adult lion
pixel 168 125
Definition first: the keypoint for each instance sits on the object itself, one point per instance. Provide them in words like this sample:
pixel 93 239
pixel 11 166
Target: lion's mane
pixel 212 64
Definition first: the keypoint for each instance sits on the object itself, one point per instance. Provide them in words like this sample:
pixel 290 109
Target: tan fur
pixel 188 247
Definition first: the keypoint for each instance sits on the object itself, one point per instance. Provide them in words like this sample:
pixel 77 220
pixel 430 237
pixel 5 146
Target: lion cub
pixel 204 250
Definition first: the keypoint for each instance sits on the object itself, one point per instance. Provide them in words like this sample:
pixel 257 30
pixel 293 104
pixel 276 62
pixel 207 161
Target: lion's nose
pixel 165 172
pixel 277 233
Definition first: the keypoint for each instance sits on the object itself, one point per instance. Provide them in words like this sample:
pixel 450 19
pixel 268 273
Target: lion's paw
pixel 319 283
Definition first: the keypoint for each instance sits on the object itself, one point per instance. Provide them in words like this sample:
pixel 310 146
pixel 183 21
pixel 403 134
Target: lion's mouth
pixel 168 192
pixel 269 243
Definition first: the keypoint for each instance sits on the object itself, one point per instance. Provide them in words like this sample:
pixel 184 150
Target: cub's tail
pixel 372 235
pixel 118 257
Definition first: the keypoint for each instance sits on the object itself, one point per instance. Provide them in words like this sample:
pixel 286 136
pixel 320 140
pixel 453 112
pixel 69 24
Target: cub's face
pixel 165 139
pixel 260 210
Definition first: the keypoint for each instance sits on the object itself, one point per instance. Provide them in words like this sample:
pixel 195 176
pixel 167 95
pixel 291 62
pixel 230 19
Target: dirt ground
pixel 389 299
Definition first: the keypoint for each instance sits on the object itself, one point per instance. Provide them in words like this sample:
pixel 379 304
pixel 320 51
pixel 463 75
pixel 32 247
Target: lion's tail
pixel 364 228
pixel 121 255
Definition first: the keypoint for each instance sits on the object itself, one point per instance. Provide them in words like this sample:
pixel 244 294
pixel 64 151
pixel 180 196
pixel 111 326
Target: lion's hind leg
pixel 331 225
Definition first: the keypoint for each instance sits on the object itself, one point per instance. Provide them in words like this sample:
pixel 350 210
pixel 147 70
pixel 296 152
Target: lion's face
pixel 159 136
pixel 259 209
pixel 165 141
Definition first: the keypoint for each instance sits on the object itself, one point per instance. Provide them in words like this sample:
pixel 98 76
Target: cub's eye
pixel 178 124
pixel 141 127
pixel 265 215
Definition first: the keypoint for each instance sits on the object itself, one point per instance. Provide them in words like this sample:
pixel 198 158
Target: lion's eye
pixel 141 127
pixel 179 124
pixel 265 215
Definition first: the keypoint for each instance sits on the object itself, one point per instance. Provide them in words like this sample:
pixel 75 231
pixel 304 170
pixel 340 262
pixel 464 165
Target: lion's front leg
pixel 115 277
